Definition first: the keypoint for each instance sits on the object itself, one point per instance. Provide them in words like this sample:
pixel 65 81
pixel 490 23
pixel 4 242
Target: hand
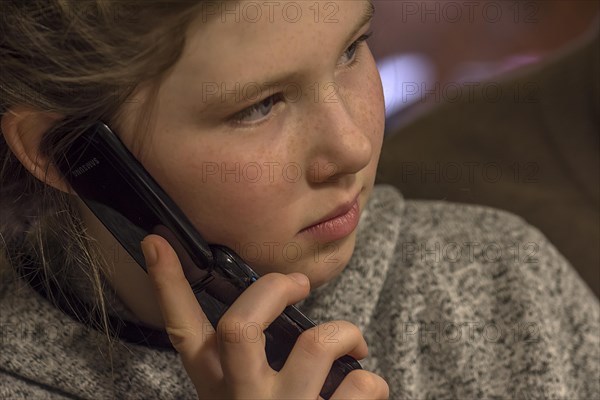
pixel 231 362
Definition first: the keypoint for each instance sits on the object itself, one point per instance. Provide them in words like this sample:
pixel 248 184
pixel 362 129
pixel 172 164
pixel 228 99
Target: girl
pixel 264 122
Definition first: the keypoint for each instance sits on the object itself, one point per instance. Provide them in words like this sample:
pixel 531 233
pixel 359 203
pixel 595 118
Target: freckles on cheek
pixel 228 192
pixel 374 104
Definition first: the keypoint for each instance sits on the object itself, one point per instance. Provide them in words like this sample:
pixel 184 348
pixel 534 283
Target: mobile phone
pixel 131 205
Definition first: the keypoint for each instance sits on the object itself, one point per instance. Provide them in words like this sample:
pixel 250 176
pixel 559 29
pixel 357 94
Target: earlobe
pixel 23 128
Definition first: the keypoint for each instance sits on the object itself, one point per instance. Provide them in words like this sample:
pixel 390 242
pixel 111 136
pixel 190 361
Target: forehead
pixel 238 39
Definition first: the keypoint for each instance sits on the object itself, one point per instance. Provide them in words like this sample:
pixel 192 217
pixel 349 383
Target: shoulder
pixel 500 248
pixel 15 387
pixel 448 222
pixel 450 239
pixel 450 219
pixel 478 284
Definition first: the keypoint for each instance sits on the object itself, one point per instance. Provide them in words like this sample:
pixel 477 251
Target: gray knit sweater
pixel 455 301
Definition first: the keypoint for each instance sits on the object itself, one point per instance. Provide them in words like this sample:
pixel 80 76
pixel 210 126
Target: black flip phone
pixel 128 201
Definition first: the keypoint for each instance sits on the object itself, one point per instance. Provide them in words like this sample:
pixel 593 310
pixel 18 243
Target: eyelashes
pixel 354 49
pixel 260 111
pixel 263 107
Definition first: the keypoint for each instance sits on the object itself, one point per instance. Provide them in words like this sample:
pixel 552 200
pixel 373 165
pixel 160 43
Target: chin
pixel 320 264
pixel 333 259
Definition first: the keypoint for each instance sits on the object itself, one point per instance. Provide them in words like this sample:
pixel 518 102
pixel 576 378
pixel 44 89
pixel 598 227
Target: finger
pixel 188 327
pixel 361 384
pixel 313 355
pixel 240 330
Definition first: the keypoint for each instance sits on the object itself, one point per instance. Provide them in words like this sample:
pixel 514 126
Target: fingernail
pixel 301 279
pixel 149 252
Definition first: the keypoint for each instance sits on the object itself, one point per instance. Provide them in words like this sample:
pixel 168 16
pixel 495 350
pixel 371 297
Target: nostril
pixel 321 171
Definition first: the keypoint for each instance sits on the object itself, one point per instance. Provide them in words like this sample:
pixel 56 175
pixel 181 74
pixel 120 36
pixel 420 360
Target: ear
pixel 23 128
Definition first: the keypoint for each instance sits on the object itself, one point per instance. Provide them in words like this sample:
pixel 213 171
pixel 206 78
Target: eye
pixel 349 56
pixel 258 111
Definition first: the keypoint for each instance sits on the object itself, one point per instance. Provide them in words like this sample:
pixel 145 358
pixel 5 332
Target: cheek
pixel 365 94
pixel 370 107
pixel 374 100
pixel 229 197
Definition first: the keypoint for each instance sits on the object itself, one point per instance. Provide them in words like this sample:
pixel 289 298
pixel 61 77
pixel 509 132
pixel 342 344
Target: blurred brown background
pixel 454 32
pixel 541 139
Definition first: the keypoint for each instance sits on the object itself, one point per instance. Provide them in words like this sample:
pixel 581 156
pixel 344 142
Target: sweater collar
pixel 43 345
pixel 353 295
pixel 50 351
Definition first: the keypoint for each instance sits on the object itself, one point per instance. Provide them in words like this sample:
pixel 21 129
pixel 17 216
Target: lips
pixel 340 210
pixel 336 225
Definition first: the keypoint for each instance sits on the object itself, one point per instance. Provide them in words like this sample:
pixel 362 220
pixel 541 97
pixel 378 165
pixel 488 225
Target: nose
pixel 341 139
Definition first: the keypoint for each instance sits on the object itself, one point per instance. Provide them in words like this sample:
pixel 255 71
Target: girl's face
pixel 271 121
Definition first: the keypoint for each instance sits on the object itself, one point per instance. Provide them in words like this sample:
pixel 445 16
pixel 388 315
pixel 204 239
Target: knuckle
pixel 349 329
pixel 336 331
pixel 227 327
pixel 368 383
pixel 232 331
pixel 180 336
pixel 309 343
pixel 274 283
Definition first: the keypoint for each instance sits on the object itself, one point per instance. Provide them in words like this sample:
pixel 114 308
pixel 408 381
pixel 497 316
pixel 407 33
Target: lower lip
pixel 335 228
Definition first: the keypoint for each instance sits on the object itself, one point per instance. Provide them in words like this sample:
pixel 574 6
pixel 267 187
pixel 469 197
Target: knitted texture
pixel 455 301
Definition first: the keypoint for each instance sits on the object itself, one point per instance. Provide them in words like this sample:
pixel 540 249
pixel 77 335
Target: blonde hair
pixel 82 59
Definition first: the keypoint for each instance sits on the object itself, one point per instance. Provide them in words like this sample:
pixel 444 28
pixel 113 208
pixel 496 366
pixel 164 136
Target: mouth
pixel 339 223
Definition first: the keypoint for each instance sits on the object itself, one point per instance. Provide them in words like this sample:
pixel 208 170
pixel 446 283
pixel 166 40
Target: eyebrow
pixel 270 84
pixel 367 16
